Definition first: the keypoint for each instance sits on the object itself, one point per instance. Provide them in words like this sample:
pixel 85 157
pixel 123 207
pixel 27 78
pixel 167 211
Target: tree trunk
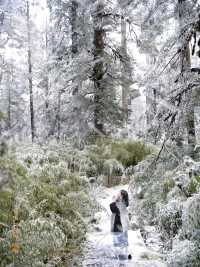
pixel 2 13
pixel 189 98
pixel 30 77
pixel 74 28
pixel 47 111
pixel 74 34
pixel 98 70
pixel 58 117
pixel 124 70
pixel 9 103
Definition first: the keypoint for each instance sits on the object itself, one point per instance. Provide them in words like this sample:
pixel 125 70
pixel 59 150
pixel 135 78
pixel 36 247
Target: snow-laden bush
pixel 191 215
pixel 126 152
pixel 112 171
pixel 168 185
pixel 50 211
pixel 170 219
pixel 129 153
pixel 184 254
pixel 112 167
pixel 6 208
pixel 175 193
pixel 35 242
pixel 169 198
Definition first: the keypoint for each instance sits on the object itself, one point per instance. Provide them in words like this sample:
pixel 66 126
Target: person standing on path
pixel 120 220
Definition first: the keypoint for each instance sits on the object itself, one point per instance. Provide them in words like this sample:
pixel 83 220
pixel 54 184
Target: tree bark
pixel 9 103
pixel 98 70
pixel 124 70
pixel 59 117
pixel 189 98
pixel 74 35
pixel 74 28
pixel 47 111
pixel 30 74
pixel 2 13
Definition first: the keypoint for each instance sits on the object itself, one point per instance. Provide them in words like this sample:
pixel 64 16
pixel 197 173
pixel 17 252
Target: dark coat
pixel 117 225
pixel 119 217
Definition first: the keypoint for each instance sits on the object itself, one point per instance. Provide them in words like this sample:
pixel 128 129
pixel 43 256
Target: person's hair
pixel 125 198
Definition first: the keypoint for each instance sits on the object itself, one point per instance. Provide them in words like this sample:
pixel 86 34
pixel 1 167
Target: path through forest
pixel 99 251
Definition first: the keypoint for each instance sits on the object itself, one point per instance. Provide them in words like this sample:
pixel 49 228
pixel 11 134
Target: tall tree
pixel 74 33
pixel 74 30
pixel 30 73
pixel 98 70
pixel 185 65
pixel 124 66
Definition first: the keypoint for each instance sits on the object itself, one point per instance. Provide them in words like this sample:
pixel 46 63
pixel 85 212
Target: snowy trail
pixel 99 250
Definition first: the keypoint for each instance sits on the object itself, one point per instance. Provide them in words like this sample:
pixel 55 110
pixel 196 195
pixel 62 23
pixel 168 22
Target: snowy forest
pixel 99 97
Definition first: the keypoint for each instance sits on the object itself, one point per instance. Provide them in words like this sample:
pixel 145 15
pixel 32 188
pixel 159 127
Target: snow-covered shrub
pixel 130 153
pixel 90 170
pixel 37 242
pixel 192 186
pixel 11 172
pixel 184 254
pixel 50 210
pixel 168 184
pixel 145 200
pixel 191 215
pixel 112 171
pixel 6 208
pixel 28 160
pixel 170 193
pixel 96 155
pixel 126 152
pixel 112 167
pixel 170 219
pixel 10 168
pixel 181 179
pixel 194 169
pixel 53 157
pixel 175 193
pixel 87 167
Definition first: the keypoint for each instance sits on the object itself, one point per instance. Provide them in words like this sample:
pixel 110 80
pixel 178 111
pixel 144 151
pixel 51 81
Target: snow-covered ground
pixel 100 252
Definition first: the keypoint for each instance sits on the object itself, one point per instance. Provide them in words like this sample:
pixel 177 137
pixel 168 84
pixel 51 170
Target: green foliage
pixel 6 207
pixel 90 170
pixel 28 161
pixel 197 178
pixel 193 186
pixel 97 155
pixel 50 205
pixel 127 153
pixel 48 200
pixel 130 153
pixel 2 116
pixel 13 170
